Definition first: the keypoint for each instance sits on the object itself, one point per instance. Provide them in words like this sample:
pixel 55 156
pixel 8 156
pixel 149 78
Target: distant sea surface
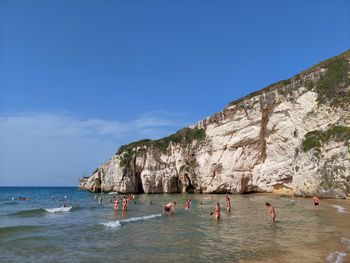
pixel 41 230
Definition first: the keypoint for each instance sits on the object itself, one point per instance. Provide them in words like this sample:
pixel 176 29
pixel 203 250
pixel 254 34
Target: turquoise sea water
pixel 39 230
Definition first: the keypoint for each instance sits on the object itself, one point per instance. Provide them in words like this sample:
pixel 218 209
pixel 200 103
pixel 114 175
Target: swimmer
pixel 169 208
pixel 271 212
pixel 116 204
pixel 151 203
pixel 22 198
pixel 65 204
pixel 316 201
pixel 188 203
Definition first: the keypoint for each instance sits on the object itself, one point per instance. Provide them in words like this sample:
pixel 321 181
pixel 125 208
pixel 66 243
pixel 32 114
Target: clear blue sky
pixel 79 78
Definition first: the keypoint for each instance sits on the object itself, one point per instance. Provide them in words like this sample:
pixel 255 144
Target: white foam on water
pixel 114 224
pixel 113 193
pixel 339 208
pixel 139 218
pixel 118 223
pixel 59 209
pixel 346 242
pixel 336 257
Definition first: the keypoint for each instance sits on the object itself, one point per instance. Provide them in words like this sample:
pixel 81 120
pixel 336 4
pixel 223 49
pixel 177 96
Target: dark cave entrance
pixel 138 184
pixel 190 189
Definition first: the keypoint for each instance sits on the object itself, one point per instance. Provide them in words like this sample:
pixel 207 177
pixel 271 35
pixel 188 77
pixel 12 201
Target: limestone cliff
pixel 291 136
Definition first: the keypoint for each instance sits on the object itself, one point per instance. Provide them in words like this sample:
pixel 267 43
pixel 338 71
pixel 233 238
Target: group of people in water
pixel 169 208
pixel 125 202
pixel 218 209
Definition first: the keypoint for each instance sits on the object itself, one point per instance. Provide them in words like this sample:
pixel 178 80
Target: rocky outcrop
pixel 260 143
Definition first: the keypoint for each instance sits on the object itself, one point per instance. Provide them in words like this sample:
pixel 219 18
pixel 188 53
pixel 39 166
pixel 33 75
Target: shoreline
pixel 273 193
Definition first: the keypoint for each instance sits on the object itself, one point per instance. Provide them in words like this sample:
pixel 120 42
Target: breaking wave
pixel 41 211
pixel 59 209
pixel 118 223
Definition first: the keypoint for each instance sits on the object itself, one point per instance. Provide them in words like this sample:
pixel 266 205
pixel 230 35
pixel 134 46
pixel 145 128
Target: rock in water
pixel 290 137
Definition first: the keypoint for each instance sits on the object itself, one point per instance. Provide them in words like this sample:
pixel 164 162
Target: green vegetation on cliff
pixel 184 137
pixel 330 87
pixel 316 138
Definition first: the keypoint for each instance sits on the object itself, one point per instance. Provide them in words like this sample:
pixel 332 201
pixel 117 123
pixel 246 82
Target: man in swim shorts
pixel 271 212
pixel 316 201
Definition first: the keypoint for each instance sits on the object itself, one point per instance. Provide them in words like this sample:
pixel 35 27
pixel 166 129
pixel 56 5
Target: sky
pixel 80 78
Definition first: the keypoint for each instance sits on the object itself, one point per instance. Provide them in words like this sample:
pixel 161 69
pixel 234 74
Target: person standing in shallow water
pixel 116 204
pixel 169 208
pixel 316 201
pixel 125 204
pixel 217 212
pixel 188 203
pixel 271 212
pixel 228 203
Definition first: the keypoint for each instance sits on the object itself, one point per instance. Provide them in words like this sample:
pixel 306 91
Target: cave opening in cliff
pixel 138 184
pixel 190 189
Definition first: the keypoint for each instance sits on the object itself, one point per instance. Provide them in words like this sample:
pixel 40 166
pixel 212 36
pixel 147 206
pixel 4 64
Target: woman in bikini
pixel 116 204
pixel 126 201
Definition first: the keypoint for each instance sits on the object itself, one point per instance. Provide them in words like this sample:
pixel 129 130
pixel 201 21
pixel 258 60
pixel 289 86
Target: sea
pixel 40 229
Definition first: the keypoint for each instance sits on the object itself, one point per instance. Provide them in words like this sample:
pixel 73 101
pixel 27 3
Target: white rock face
pixel 251 146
